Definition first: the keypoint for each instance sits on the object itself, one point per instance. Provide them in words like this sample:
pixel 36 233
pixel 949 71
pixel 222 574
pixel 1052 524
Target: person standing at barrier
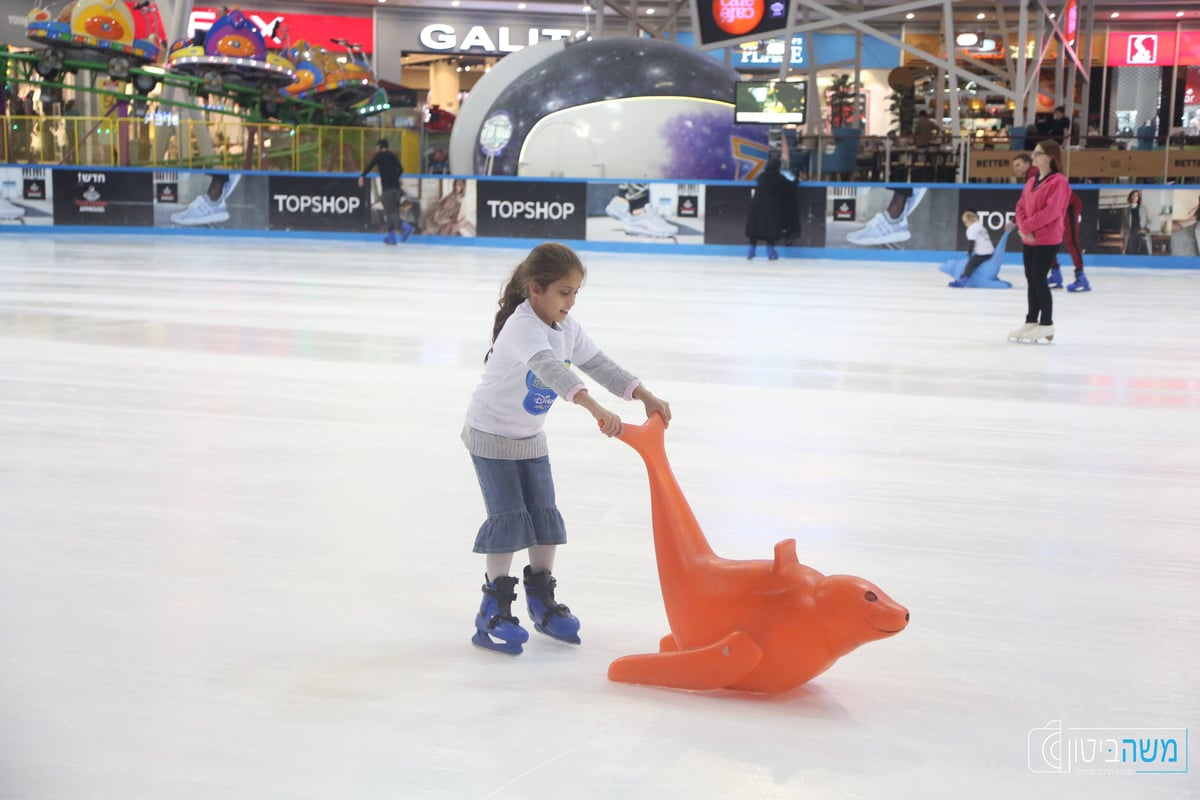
pixel 535 341
pixel 1024 170
pixel 1040 220
pixel 773 210
pixel 1059 126
pixel 390 171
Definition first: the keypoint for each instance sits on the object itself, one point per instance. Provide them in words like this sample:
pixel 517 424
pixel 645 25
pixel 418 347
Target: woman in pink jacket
pixel 1040 214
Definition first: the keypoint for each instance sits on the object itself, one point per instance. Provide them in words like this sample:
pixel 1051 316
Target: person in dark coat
pixel 773 212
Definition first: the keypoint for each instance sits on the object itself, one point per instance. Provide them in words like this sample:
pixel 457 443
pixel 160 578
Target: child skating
pixel 979 247
pixel 535 342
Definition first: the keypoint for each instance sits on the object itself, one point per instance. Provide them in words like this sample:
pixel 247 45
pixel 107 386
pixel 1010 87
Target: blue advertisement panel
pixel 317 203
pixel 25 196
pixel 103 197
pixel 671 213
pixel 521 209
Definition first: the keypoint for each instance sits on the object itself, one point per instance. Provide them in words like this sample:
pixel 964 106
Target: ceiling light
pixel 981 15
pixel 1115 14
pixel 649 10
pixel 909 15
pixel 1053 15
pixel 967 39
pixel 520 6
pixel 454 3
pixel 1179 13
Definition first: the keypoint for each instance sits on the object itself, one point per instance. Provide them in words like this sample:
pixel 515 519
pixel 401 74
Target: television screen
pixel 771 102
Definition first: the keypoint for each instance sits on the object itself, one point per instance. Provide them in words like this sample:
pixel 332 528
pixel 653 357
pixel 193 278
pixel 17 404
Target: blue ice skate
pixel 406 230
pixel 495 626
pixel 1055 281
pixel 390 238
pixel 549 616
pixel 1081 284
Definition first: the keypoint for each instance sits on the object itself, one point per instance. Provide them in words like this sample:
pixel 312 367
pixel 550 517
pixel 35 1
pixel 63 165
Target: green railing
pixel 163 140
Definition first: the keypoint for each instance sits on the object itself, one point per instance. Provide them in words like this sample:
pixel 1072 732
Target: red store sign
pixel 1153 49
pixel 316 29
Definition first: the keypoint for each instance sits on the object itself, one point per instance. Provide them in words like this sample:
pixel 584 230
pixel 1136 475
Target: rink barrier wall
pixel 707 218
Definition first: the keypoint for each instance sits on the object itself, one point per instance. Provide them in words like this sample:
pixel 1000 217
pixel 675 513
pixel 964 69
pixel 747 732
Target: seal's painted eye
pixel 871 597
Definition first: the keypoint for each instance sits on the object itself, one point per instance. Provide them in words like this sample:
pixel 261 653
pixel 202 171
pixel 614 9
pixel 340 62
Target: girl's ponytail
pixel 544 265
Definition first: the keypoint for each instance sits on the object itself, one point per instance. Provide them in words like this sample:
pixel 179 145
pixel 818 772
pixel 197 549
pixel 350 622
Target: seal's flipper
pixel 716 666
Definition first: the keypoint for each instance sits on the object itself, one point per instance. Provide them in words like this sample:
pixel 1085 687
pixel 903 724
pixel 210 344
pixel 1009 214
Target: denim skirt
pixel 519 496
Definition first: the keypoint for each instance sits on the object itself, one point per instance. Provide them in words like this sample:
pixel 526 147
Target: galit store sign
pixel 442 37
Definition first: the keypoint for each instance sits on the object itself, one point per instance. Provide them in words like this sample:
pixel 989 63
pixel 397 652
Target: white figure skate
pixel 1032 333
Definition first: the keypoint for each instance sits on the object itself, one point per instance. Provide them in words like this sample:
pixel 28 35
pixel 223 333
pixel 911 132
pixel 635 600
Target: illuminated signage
pixel 723 20
pixel 1153 48
pixel 289 28
pixel 479 38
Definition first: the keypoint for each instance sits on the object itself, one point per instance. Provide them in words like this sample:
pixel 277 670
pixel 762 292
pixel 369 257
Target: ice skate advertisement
pixel 99 197
pixel 998 207
pixel 317 203
pixel 532 210
pixel 25 194
pixel 671 213
pixel 203 200
pixel 1156 222
pixel 892 218
pixel 728 205
pixel 446 207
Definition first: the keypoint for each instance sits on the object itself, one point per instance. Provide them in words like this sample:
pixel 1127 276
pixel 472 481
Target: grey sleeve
pixel 552 372
pixel 606 372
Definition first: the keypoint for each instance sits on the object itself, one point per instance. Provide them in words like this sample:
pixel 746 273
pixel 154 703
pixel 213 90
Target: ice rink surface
pixel 236 522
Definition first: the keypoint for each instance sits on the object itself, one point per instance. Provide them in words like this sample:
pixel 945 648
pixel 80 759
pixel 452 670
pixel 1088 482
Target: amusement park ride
pixel 299 83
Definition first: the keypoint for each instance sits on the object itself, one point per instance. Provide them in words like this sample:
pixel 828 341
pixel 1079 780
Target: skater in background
pixel 1040 220
pixel 773 210
pixel 1136 226
pixel 535 341
pixel 390 171
pixel 1024 170
pixel 979 246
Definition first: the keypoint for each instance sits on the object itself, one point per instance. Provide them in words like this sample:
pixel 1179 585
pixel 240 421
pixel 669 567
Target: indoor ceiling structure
pixel 966 12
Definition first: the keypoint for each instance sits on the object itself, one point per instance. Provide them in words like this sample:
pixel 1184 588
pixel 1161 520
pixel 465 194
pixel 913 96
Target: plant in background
pixel 842 99
pixel 902 105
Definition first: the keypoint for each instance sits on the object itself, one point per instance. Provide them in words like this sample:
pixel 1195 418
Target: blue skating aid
pixel 985 275
pixel 495 626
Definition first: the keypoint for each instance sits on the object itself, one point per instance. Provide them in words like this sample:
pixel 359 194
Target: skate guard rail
pixel 849 221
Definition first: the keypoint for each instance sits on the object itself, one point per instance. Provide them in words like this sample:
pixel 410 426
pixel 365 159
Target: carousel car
pixel 234 52
pixel 321 76
pixel 101 29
